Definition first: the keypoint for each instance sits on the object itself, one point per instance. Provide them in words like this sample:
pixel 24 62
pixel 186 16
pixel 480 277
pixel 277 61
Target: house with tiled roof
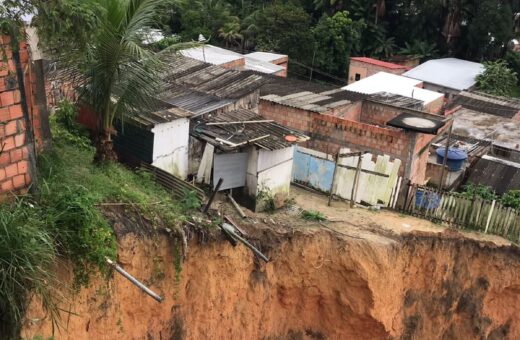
pixel 363 67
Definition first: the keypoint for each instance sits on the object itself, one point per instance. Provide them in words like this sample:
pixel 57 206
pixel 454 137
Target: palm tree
pixel 230 32
pixel 119 76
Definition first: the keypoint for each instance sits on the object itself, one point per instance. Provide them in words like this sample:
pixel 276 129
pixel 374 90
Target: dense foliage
pixel 63 221
pixel 322 34
pixel 471 29
pixel 497 78
pixel 510 198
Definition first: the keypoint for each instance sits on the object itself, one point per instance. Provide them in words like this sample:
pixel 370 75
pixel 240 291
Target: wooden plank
pixel 489 216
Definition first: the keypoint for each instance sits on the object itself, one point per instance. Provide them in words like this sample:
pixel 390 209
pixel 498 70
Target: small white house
pixel 159 138
pixel 252 155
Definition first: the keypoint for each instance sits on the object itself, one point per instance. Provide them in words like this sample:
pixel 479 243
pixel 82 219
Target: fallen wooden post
pixel 240 230
pixel 229 237
pixel 133 280
pixel 213 194
pixel 229 229
pixel 237 207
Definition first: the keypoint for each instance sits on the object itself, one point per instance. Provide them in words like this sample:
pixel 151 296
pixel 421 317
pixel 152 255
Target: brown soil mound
pixel 319 284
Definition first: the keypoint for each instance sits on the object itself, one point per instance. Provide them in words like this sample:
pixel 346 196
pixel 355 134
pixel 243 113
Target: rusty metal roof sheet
pixel 212 79
pixel 197 103
pixel 265 135
pixel 483 102
pixel 167 114
pixel 307 95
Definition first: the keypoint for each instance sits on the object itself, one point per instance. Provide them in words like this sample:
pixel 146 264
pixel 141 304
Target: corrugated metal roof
pixel 397 100
pixel 266 135
pixel 451 73
pixel 499 174
pixel 197 103
pixel 495 105
pixel 212 79
pixel 307 95
pixel 168 114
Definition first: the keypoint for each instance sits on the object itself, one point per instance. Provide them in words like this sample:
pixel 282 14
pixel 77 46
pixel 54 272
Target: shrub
pixel 312 215
pixel 26 258
pixel 511 199
pixel 471 190
pixel 497 78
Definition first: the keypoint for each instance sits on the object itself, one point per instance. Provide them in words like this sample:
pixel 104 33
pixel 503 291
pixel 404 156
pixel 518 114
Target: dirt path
pixel 351 220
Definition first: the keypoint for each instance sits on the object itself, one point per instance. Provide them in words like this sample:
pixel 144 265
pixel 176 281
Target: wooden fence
pixel 464 213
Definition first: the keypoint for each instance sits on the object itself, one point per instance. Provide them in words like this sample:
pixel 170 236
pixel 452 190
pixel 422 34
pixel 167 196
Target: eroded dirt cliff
pixel 319 284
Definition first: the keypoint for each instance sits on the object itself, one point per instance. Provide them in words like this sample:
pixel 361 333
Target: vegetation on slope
pixel 63 221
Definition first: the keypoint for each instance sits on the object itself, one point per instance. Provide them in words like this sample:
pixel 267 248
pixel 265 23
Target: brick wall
pixel 516 117
pixel 366 70
pixel 238 64
pixel 378 113
pixel 329 133
pixel 14 155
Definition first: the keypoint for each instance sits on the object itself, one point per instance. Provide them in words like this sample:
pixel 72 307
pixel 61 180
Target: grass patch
pixel 62 219
pixel 312 215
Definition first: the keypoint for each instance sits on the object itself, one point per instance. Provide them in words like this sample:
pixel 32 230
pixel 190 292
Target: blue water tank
pixel 456 158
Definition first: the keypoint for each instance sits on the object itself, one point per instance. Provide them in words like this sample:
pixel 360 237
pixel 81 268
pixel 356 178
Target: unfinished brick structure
pixel 362 67
pixel 329 132
pixel 15 149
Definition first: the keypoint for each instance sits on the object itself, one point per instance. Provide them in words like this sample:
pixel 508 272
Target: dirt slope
pixel 319 284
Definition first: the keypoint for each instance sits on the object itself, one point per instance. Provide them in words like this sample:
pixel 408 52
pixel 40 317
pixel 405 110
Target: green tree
pixel 230 32
pixel 511 198
pixel 335 36
pixel 497 78
pixel 420 49
pixel 490 28
pixel 119 76
pixel 66 23
pixel 513 62
pixel 206 17
pixel 284 27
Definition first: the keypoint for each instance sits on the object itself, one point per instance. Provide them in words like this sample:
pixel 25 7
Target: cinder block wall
pixel 14 152
pixel 329 133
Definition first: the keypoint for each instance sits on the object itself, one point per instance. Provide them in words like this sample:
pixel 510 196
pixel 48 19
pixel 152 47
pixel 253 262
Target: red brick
pixel 2 175
pixel 6 186
pixel 15 111
pixel 4 159
pixel 19 181
pixel 19 140
pixel 27 179
pixel 11 170
pixel 22 167
pixel 8 144
pixel 11 128
pixel 6 98
pixel 17 155
pixel 4 114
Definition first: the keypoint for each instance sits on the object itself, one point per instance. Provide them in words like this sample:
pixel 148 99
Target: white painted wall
pixel 251 176
pixel 170 147
pixel 274 170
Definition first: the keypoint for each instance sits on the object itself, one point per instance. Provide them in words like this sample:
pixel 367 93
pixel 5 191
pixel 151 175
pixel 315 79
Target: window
pixel 358 77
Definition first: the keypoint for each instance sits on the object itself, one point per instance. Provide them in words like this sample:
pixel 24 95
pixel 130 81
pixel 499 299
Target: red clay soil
pixel 318 285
